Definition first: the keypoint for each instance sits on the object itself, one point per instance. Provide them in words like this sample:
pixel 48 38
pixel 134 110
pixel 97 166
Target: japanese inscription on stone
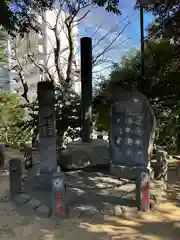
pixel 47 127
pixel 129 131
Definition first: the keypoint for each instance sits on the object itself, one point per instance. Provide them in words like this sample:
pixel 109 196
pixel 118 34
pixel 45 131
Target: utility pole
pixel 141 87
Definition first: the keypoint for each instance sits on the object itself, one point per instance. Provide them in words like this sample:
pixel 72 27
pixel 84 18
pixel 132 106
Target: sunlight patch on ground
pixel 166 215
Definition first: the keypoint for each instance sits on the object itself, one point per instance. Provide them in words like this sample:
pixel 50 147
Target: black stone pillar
pixel 86 88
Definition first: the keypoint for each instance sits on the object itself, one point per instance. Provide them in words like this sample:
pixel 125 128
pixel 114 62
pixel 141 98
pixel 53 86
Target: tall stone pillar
pixel 47 127
pixel 86 88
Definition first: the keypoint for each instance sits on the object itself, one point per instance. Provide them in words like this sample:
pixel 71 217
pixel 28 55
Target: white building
pixel 5 75
pixel 4 79
pixel 47 41
pixel 41 49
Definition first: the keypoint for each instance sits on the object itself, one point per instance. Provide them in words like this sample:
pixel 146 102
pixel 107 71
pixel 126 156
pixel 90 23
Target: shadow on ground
pixel 163 223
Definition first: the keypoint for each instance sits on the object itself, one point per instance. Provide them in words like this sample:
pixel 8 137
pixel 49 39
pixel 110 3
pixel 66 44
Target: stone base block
pixel 131 173
pixel 80 155
pixel 43 181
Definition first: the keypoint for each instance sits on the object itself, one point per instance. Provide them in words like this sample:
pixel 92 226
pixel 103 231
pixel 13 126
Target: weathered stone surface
pixel 22 199
pixel 43 211
pixel 2 156
pixel 125 172
pixel 107 210
pixel 76 211
pixel 80 155
pixel 84 211
pixel 158 191
pixel 129 210
pixel 47 127
pixel 34 203
pixel 118 210
pixel 90 210
pixel 132 127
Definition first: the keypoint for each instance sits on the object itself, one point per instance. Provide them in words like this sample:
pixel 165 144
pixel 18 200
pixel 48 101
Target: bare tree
pixel 58 59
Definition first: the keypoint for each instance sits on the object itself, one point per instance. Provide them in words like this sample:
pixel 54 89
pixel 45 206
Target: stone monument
pixel 86 152
pixel 44 186
pixel 132 127
pixel 86 89
pixel 47 134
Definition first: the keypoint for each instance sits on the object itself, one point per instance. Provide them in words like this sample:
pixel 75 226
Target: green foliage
pixel 11 115
pixel 10 109
pixel 17 15
pixel 166 22
pixel 161 86
pixel 68 113
pixel 68 119
pixel 110 5
pixel 30 125
pixel 1 52
pixel 3 41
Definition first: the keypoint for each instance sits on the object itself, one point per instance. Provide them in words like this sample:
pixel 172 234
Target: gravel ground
pixel 161 224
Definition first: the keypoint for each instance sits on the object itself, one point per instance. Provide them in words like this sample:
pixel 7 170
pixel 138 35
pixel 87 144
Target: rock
pixel 128 211
pixel 90 210
pixel 79 155
pixel 76 211
pixel 4 199
pixel 43 211
pixel 161 154
pixel 118 210
pixel 83 210
pixel 158 190
pixel 34 203
pixel 107 210
pixel 22 199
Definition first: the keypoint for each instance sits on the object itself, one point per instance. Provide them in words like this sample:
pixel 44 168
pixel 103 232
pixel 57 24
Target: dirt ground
pixel 163 223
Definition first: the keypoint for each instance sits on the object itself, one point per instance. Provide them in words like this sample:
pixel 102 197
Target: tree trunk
pixel 6 136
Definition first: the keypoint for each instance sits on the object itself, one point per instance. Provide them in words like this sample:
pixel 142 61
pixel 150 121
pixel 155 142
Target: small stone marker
pixel 142 191
pixel 14 177
pixel 2 156
pixel 59 206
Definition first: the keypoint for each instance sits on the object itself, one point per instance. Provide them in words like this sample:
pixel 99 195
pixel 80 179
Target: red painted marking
pixel 58 195
pixel 145 195
pixel 58 201
pixel 58 210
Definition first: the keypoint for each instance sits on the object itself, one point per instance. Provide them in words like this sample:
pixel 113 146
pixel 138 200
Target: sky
pixel 125 28
pixel 98 22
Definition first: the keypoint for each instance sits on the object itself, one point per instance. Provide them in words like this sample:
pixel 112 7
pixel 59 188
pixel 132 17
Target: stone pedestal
pixel 80 155
pixel 131 173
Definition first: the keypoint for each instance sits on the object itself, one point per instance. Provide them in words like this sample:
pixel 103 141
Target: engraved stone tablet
pixel 131 127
